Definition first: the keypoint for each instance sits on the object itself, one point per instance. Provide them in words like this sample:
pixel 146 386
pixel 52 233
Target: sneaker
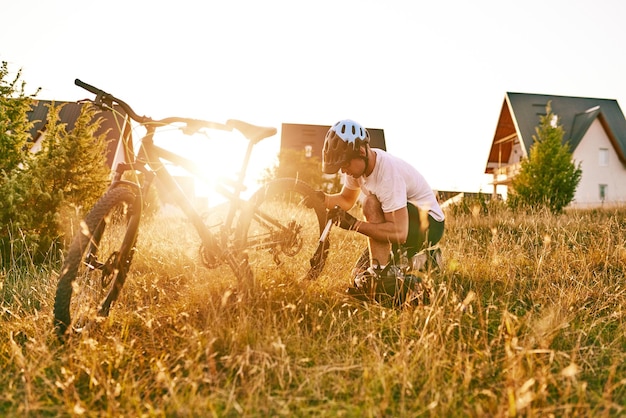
pixel 362 285
pixel 388 286
pixel 428 260
pixel 435 259
pixel 389 281
pixel 419 262
pixel 357 293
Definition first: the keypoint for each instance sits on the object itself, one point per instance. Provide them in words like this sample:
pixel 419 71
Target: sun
pixel 220 157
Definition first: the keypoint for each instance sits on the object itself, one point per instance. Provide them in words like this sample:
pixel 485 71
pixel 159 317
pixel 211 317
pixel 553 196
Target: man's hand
pixel 319 197
pixel 342 218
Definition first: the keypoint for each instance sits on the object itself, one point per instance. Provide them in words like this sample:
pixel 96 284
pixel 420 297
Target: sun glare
pixel 219 155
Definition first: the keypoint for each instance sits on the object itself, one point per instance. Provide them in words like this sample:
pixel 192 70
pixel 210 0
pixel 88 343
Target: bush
pixel 480 205
pixel 67 174
pixel 14 124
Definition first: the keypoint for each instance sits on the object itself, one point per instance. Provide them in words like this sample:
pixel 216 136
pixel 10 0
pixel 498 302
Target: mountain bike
pixel 282 226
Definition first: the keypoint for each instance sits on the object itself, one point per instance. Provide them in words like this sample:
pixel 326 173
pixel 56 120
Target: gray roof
pixel 521 112
pixel 110 125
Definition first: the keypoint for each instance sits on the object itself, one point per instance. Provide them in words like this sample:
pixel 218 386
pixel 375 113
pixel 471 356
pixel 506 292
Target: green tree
pixel 74 163
pixel 38 190
pixel 14 124
pixel 548 177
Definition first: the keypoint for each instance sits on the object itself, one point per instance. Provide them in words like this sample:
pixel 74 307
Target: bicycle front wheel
pixel 281 230
pixel 97 262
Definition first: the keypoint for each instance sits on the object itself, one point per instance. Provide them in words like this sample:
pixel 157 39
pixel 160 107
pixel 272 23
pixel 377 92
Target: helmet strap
pixel 366 159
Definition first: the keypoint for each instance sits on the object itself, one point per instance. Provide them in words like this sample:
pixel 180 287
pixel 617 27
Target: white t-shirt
pixel 395 182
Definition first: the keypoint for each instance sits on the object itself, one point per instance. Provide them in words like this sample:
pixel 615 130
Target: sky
pixel 432 74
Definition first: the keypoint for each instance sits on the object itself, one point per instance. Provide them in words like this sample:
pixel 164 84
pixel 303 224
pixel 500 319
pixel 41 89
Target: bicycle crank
pixel 210 259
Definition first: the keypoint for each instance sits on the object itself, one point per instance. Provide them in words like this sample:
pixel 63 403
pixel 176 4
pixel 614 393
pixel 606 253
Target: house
pixel 113 125
pixel 594 128
pixel 310 138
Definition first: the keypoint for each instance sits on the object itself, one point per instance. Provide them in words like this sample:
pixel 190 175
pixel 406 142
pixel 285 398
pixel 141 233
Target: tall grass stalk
pixel 526 319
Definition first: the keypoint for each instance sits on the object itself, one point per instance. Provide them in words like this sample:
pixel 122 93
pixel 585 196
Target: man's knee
pixel 372 209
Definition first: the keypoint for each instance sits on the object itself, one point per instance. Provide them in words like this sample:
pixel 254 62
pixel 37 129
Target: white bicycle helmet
pixel 342 143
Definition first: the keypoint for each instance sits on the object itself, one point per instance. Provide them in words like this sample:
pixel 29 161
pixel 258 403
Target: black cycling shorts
pixel 418 239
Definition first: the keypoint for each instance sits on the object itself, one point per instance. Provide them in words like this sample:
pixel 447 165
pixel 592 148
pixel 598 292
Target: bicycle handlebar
pixel 193 125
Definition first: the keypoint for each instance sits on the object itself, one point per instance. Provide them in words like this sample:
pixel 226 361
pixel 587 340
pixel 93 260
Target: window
pixel 554 121
pixel 603 192
pixel 603 157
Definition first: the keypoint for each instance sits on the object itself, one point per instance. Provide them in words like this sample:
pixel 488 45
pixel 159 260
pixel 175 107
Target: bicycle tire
pixel 284 223
pixel 104 247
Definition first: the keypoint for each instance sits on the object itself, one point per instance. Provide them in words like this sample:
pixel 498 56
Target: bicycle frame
pixel 150 162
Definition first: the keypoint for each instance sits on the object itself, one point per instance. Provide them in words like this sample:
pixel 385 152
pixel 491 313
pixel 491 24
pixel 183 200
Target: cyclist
pixel 401 210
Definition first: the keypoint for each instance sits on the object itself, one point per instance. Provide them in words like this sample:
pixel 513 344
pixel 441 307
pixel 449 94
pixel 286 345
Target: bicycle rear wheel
pixel 280 233
pixel 97 262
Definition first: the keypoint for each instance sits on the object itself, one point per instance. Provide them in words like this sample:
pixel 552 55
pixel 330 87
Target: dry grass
pixel 527 319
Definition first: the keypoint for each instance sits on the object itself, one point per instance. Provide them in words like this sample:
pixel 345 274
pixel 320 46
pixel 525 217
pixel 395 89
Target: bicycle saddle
pixel 253 132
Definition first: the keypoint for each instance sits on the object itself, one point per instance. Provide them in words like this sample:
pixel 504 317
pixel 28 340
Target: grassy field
pixel 528 318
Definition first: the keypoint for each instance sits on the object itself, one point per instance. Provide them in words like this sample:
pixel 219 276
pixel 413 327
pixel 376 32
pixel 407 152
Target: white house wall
pixel 516 153
pixel 613 175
